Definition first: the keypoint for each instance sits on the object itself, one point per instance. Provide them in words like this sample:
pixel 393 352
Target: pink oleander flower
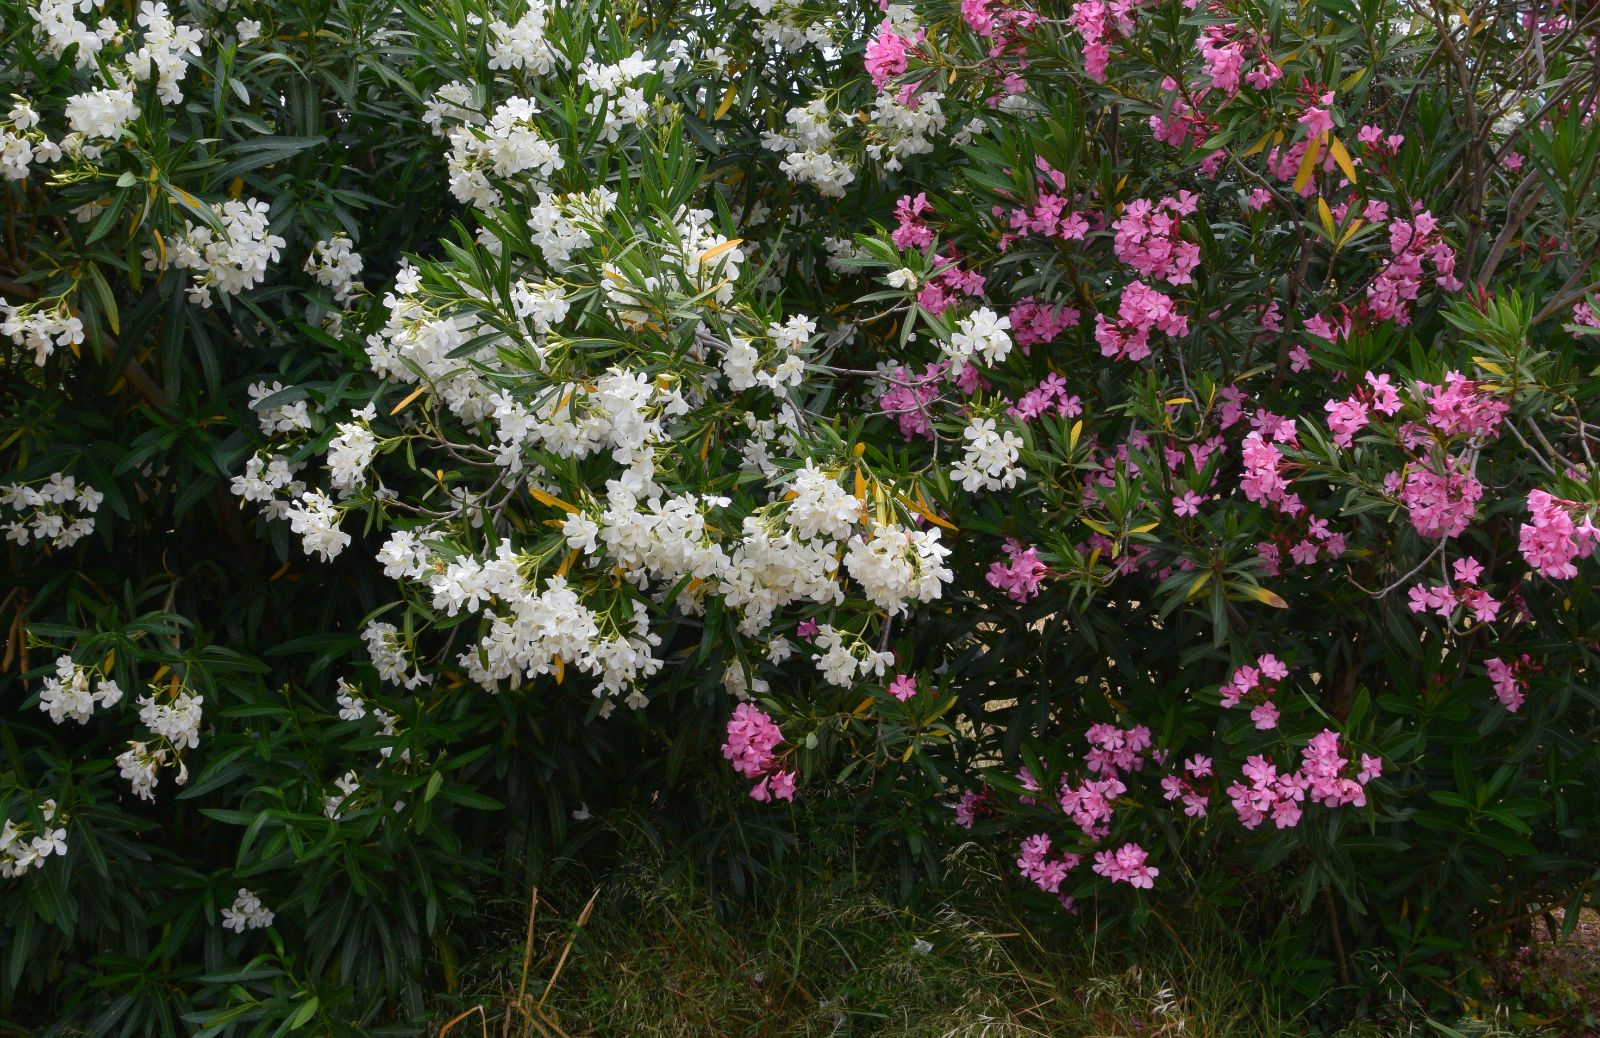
pixel 911 232
pixel 1317 121
pixel 1188 504
pixel 1147 239
pixel 903 687
pixel 752 736
pixel 968 806
pixel 1140 311
pixel 888 54
pixel 806 629
pixel 1036 865
pixel 1126 865
pixel 1510 684
pixel 1020 576
pixel 1441 505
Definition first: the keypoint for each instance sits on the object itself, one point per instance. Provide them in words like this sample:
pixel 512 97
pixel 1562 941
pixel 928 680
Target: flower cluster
pixel 59 513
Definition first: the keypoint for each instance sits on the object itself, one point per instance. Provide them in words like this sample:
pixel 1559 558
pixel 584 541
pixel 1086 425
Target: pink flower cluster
pixel 1440 504
pixel 1047 398
pixel 969 806
pixel 1321 778
pixel 1038 866
pixel 1443 599
pixel 993 19
pixel 1126 865
pixel 1347 417
pixel 1020 576
pixel 1179 787
pixel 752 737
pixel 908 397
pixel 1036 324
pixel 1400 281
pixel 1098 22
pixel 946 284
pixel 1050 215
pixel 1225 50
pixel 1141 310
pixel 1258 683
pixel 1264 481
pixel 1147 239
pixel 1552 541
pixel 911 232
pixel 1461 408
pixel 888 54
pixel 1510 680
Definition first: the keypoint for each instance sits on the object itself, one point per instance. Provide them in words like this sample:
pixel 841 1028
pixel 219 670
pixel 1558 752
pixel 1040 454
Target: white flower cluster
pixel 59 28
pixel 807 158
pixel 981 334
pixel 901 131
pixel 351 451
pixel 989 461
pixel 390 656
pixel 348 785
pixel 522 45
pixel 67 694
pixel 21 851
pixel 164 46
pixel 46 513
pixel 898 566
pixel 265 477
pixel 510 144
pixel 246 912
pixel 42 329
pixel 173 714
pixel 845 657
pixel 790 26
pixel 229 262
pixel 336 265
pixel 279 418
pixel 742 362
pixel 315 517
pixel 101 113
pixel 616 100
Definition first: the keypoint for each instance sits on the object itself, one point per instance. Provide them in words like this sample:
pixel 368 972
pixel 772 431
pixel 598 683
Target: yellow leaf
pixel 1072 439
pixel 1489 366
pixel 1350 232
pixel 1326 214
pixel 717 250
pixel 402 405
pixel 1097 527
pixel 110 661
pixel 561 668
pixel 907 755
pixel 1200 582
pixel 1261 594
pixel 1258 145
pixel 566 563
pixel 551 501
pixel 705 448
pixel 1178 401
pixel 1094 558
pixel 236 188
pixel 1308 165
pixel 922 508
pixel 1341 156
pixel 862 707
pixel 727 101
pixel 161 249
pixel 1146 528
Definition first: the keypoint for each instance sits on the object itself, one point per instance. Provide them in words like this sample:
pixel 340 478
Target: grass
pixel 644 951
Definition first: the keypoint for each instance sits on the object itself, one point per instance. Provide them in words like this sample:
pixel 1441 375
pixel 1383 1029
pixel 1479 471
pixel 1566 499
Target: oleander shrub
pixel 1155 437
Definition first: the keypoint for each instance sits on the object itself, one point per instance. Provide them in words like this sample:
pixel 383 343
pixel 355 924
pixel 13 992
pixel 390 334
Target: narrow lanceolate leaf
pixel 1271 598
pixel 1326 215
pixel 402 405
pixel 1341 156
pixel 1308 165
pixel 717 250
pixel 551 501
pixel 727 100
